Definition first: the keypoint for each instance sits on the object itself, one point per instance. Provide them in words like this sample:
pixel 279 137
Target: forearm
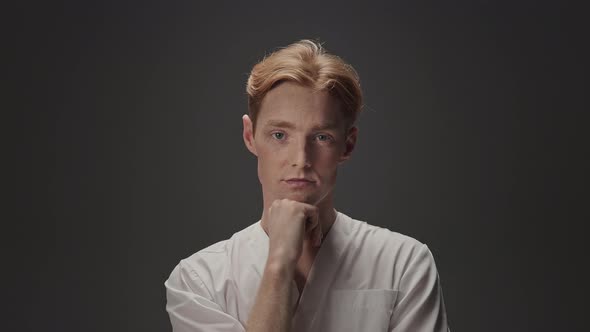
pixel 272 311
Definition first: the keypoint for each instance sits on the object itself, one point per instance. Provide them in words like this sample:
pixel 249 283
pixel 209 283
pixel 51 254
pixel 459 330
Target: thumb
pixel 317 235
pixel 315 227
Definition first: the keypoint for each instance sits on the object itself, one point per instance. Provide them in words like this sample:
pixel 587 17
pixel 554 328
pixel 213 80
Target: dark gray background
pixel 132 158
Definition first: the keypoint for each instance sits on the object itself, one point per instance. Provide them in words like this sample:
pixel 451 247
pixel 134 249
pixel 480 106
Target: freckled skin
pixel 303 151
pixel 300 133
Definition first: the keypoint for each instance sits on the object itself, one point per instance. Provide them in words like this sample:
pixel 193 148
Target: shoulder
pixel 214 261
pixel 373 237
pixel 389 249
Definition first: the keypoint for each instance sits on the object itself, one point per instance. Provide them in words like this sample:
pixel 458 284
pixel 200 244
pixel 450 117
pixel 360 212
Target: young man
pixel 305 266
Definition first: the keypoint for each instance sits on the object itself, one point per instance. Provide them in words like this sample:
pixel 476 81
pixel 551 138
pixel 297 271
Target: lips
pixel 299 180
pixel 299 183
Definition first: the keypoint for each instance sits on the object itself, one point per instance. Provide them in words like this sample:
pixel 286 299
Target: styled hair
pixel 307 63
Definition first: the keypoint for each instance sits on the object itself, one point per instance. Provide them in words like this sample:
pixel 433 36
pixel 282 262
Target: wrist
pixel 280 267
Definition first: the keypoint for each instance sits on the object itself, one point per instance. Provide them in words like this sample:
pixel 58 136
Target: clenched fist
pixel 288 224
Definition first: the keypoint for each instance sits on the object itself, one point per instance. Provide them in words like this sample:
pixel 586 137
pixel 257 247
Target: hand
pixel 289 223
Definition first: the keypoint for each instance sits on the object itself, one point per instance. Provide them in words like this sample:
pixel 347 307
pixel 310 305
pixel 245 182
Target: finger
pixel 315 227
pixel 317 235
pixel 312 217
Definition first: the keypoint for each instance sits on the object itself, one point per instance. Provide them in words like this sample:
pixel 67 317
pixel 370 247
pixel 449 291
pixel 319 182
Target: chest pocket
pixel 356 310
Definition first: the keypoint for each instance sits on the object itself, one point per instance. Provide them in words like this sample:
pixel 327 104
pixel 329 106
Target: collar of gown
pixel 322 270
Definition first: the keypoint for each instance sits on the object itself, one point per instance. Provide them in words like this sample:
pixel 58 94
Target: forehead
pixel 299 104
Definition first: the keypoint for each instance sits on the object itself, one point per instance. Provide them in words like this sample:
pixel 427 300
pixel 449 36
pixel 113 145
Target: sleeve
pixel 191 308
pixel 420 305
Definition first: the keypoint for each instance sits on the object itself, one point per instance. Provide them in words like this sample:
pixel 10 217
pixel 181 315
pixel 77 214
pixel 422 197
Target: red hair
pixel 307 63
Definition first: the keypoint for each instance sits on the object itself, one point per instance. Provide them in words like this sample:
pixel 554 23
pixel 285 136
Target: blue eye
pixel 278 135
pixel 322 137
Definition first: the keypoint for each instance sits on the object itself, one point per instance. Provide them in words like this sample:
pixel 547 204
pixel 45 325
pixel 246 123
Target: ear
pixel 349 144
pixel 248 134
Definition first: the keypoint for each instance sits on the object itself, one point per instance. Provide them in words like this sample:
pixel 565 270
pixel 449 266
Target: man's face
pixel 300 134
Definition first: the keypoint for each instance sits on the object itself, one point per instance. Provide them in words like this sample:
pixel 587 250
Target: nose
pixel 301 154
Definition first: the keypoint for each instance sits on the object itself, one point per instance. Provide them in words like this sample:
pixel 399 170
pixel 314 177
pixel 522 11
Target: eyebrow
pixel 279 123
pixel 289 125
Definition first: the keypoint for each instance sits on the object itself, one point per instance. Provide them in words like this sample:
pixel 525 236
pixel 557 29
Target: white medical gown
pixel 364 278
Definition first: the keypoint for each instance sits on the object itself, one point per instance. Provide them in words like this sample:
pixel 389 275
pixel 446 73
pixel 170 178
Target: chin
pixel 307 198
